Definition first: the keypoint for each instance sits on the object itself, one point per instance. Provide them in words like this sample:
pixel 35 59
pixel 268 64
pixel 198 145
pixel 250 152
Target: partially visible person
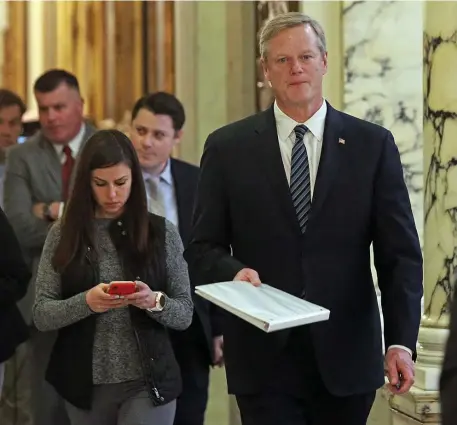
pixel 14 278
pixel 171 186
pixel 113 362
pixel 448 379
pixel 12 108
pixel 37 182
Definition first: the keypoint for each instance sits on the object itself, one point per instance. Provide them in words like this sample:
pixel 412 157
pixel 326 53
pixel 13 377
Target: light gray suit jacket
pixel 33 174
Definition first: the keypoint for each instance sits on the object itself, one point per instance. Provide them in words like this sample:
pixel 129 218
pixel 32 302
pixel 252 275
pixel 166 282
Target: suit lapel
pixel 330 157
pixel 267 149
pixel 51 161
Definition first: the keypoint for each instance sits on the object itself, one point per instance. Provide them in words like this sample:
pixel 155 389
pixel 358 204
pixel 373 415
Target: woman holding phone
pixel 113 362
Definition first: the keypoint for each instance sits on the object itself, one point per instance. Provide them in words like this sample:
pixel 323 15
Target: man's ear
pixel 178 137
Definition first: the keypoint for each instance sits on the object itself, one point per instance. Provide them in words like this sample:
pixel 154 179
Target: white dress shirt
pixel 74 144
pixel 313 140
pixel 165 194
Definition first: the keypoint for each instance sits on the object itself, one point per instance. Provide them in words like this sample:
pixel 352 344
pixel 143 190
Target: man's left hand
pixel 218 346
pixel 399 370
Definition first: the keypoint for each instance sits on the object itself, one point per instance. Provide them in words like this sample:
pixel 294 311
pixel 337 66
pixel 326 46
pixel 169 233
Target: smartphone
pixel 122 287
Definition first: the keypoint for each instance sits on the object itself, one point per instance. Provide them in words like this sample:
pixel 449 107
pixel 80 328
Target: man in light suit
pixel 171 184
pixel 37 181
pixel 298 193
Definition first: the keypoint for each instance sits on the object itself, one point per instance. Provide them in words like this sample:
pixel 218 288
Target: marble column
pixel 440 207
pixel 440 196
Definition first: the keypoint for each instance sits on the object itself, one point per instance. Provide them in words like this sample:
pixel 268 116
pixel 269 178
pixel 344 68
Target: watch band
pixel 160 302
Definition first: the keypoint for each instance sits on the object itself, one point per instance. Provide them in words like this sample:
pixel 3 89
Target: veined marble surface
pixel 383 78
pixel 440 158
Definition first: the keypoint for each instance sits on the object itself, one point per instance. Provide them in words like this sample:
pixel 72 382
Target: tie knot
pixel 67 150
pixel 300 131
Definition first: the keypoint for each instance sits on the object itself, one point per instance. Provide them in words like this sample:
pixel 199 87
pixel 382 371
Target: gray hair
pixel 289 20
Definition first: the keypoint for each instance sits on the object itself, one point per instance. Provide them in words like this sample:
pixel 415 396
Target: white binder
pixel 268 308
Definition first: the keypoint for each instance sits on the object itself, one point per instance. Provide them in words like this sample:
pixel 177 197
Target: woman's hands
pixel 143 298
pixel 99 301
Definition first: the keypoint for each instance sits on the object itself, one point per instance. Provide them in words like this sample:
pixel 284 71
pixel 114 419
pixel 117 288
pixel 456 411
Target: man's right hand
pixel 248 275
pixel 99 301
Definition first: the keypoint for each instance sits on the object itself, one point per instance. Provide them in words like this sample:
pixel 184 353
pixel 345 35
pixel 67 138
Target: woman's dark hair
pixel 104 149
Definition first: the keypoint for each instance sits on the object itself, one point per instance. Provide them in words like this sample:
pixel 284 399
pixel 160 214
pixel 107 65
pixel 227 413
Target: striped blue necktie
pixel 300 184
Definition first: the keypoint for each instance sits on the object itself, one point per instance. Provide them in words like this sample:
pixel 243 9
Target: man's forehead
pixel 10 112
pixel 61 94
pixel 153 121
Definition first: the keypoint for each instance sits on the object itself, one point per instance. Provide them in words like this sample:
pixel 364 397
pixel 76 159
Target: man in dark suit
pixel 294 197
pixel 37 181
pixel 171 184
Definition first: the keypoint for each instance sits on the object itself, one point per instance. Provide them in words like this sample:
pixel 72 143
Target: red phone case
pixel 122 288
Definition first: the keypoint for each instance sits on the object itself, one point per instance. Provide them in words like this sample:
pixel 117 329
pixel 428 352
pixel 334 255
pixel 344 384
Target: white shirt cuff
pixel 402 347
pixel 62 204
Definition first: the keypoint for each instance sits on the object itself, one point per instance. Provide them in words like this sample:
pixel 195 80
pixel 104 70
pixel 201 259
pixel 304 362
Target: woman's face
pixel 111 188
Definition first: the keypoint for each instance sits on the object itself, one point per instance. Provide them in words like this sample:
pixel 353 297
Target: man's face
pixel 10 125
pixel 295 66
pixel 154 139
pixel 60 113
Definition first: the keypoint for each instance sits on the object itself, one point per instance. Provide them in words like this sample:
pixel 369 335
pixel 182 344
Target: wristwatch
pixel 160 302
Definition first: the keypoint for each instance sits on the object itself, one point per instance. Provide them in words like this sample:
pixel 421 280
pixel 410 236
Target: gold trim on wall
pixel 79 48
pixel 128 56
pixel 15 49
pixel 168 42
pixel 111 47
pixel 159 46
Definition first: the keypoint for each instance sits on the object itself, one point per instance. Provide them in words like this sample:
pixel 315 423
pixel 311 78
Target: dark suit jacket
pixel 185 178
pixel 448 381
pixel 360 197
pixel 33 174
pixel 14 278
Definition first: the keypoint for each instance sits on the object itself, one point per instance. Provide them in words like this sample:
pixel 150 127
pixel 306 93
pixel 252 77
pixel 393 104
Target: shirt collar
pixel 165 175
pixel 74 144
pixel 285 125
